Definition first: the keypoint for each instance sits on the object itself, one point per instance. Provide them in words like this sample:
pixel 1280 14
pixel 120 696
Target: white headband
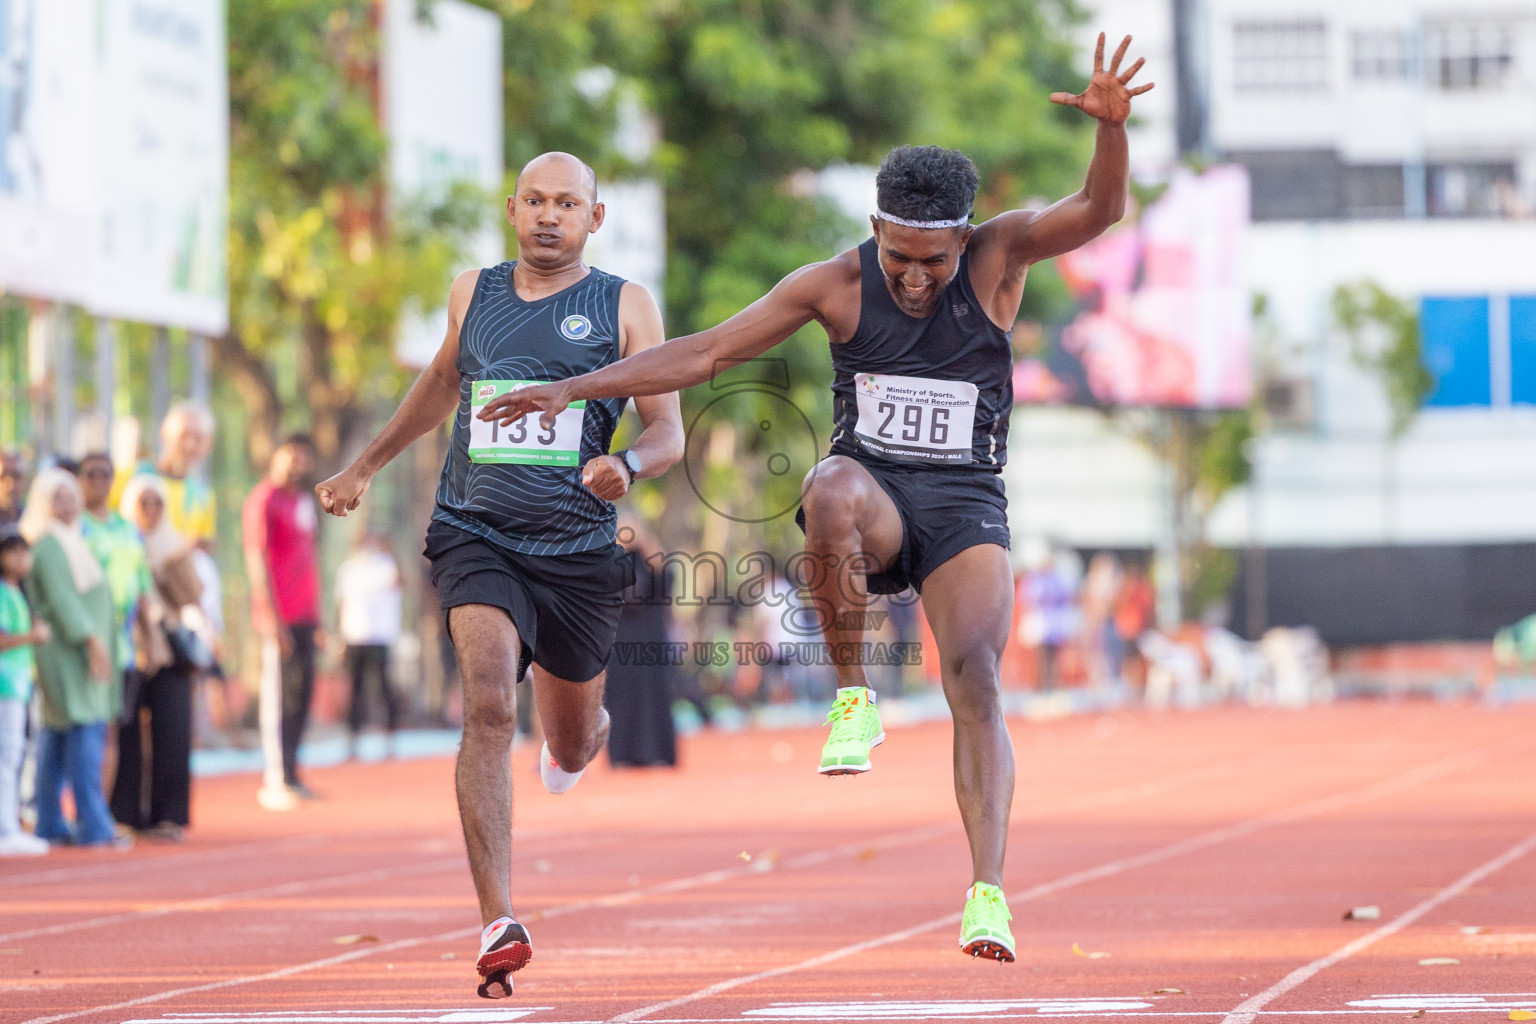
pixel 958 222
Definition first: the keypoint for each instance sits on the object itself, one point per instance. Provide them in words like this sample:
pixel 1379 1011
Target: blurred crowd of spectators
pixel 111 625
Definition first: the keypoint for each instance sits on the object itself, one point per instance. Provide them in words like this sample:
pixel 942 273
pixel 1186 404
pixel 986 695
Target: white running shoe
pixel 22 844
pixel 504 947
pixel 556 779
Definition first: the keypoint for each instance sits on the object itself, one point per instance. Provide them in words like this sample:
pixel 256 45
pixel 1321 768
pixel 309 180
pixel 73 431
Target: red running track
pixel 1180 867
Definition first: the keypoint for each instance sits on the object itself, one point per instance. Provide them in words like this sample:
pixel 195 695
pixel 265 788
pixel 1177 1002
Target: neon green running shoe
pixel 984 925
pixel 856 731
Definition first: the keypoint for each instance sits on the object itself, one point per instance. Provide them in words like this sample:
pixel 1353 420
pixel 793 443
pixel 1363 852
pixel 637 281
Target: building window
pixel 1466 55
pixel 1473 190
pixel 1280 56
pixel 1384 55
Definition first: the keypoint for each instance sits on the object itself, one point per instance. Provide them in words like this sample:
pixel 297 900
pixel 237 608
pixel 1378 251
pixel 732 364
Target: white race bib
pixel 915 419
pixel 525 441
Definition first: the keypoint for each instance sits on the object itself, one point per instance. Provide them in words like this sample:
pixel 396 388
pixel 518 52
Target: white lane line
pixel 1312 808
pixel 503 1015
pixel 205 903
pixel 282 972
pixel 1443 766
pixel 81 871
pixel 1245 1012
pixel 615 899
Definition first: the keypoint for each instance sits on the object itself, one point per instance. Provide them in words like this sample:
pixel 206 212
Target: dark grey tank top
pixel 922 393
pixel 533 509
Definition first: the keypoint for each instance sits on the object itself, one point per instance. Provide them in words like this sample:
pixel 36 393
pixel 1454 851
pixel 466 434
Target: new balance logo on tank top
pixel 503 494
pixel 933 392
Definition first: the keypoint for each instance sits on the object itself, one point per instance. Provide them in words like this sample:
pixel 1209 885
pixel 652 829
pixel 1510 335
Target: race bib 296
pixel 915 419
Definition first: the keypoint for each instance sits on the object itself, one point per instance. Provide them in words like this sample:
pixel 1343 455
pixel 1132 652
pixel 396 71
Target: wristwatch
pixel 631 462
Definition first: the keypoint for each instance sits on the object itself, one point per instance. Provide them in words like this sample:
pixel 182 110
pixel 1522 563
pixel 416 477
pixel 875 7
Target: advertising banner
pixel 114 156
pixel 1165 315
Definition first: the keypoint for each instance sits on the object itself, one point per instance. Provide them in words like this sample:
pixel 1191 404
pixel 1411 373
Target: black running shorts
pixel 943 512
pixel 565 607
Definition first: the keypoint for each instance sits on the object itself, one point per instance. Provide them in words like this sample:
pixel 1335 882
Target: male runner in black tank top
pixel 522 539
pixel 918 318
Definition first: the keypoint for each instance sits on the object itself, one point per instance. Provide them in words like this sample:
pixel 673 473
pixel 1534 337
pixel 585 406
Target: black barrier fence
pixel 1398 594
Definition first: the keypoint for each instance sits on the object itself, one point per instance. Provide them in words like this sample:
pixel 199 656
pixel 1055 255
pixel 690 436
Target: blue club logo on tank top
pixel 575 327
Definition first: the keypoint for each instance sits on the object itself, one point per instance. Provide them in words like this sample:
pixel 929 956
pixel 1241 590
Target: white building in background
pixel 1391 141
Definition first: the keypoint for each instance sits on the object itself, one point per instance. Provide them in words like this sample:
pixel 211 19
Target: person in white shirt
pixel 368 597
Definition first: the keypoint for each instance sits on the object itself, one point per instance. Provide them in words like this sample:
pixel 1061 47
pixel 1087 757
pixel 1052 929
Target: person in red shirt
pixel 279 523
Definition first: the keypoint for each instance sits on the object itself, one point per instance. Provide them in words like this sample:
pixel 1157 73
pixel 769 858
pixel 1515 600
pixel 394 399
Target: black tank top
pixel 533 509
pixel 934 392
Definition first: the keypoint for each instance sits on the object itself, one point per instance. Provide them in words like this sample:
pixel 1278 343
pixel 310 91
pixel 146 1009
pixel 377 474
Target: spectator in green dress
pixel 117 545
pixel 18 634
pixel 81 693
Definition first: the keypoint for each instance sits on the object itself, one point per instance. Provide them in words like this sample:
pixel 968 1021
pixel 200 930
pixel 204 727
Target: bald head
pixel 556 169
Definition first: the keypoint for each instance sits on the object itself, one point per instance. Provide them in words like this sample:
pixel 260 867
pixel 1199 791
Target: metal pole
pixel 198 388
pixel 1256 588
pixel 37 376
pixel 1170 612
pixel 160 376
pixel 62 348
pixel 106 375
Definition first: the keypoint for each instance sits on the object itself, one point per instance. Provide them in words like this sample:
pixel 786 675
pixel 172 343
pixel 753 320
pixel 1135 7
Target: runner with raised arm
pixel 522 539
pixel 919 318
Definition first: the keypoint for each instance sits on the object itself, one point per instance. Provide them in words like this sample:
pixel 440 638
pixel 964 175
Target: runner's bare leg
pixel 847 515
pixel 969 604
pixel 488 647
pixel 575 723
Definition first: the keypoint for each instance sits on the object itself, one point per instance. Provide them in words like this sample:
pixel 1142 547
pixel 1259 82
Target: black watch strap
pixel 631 462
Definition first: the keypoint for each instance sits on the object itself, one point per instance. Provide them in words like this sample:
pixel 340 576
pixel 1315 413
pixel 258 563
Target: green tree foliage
pixel 1383 333
pixel 748 94
pixel 318 272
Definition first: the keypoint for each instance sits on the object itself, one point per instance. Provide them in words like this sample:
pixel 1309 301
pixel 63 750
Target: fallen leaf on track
pixel 1521 1015
pixel 1167 991
pixel 1371 913
pixel 1410 1016
pixel 1078 951
pixel 1438 961
pixel 347 940
pixel 865 856
pixel 744 856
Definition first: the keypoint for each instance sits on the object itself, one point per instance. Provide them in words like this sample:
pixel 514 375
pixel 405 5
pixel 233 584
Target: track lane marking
pixel 1413 777
pixel 1248 1009
pixel 616 899
pixel 204 903
pixel 1322 805
pixel 79 871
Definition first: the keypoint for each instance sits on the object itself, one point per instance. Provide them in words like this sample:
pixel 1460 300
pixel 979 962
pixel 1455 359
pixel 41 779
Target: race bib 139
pixel 525 441
pixel 915 419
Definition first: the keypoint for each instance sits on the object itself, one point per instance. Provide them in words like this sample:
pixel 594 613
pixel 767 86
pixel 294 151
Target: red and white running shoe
pixel 504 947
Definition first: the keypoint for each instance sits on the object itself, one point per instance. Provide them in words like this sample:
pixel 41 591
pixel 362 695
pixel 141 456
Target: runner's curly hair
pixel 926 183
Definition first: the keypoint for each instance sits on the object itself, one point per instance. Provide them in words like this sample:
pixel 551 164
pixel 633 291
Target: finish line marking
pixel 499 1016
pixel 1204 840
pixel 1245 1011
pixel 1131 1007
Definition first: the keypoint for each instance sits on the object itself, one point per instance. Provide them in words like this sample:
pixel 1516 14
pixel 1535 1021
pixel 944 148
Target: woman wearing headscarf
pixel 168 649
pixel 80 693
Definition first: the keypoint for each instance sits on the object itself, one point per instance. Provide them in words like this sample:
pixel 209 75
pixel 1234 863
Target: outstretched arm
pixel 433 397
pixel 660 444
pixel 1028 237
pixel 681 362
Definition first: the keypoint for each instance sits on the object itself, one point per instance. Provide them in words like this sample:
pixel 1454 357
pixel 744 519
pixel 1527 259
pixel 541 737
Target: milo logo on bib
pixel 915 419
pixel 526 441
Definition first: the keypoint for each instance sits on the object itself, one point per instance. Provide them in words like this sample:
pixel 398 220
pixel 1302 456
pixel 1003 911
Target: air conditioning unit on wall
pixel 1289 403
